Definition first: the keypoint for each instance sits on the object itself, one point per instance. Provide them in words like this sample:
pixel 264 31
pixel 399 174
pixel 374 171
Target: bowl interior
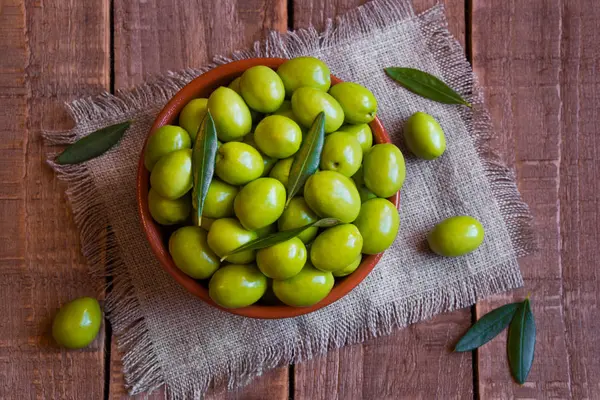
pixel 158 235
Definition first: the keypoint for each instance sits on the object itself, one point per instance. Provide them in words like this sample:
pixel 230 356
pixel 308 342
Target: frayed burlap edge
pixel 140 361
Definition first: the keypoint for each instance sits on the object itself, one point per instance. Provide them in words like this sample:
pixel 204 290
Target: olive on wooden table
pixel 77 323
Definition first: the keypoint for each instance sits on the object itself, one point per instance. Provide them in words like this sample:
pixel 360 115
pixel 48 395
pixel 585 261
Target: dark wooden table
pixel 539 61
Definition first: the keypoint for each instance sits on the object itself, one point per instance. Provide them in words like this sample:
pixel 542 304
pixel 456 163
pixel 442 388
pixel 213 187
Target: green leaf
pixel 93 145
pixel 521 342
pixel 203 161
pixel 278 237
pixel 306 161
pixel 487 328
pixel 425 85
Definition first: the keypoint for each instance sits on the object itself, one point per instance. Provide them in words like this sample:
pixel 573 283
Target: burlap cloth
pixel 170 337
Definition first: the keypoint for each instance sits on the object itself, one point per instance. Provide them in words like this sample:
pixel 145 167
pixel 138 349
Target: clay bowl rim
pixel 199 87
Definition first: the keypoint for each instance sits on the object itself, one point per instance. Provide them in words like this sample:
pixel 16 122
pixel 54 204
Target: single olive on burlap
pixel 170 337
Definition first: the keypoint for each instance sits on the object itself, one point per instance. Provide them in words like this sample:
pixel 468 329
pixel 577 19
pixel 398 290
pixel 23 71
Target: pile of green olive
pixel 260 120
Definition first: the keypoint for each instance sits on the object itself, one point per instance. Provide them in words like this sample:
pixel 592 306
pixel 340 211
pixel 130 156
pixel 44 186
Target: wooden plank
pixel 540 84
pixel 154 37
pixel 52 51
pixel 579 185
pixel 316 12
pixel 411 363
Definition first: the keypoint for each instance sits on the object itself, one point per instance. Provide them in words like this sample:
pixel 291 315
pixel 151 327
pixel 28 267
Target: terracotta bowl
pixel 158 235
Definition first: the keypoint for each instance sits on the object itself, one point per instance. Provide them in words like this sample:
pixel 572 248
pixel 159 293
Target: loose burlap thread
pixel 171 338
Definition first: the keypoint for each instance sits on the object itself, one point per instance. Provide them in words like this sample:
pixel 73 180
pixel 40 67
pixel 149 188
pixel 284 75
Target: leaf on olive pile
pixel 306 160
pixel 425 85
pixel 93 145
pixel 487 328
pixel 278 237
pixel 521 342
pixel 203 161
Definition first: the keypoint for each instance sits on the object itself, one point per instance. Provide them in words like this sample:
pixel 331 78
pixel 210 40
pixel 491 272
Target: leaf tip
pixel 222 258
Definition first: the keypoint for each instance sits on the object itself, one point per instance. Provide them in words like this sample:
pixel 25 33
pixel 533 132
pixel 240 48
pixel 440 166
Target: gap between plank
pixel 469 55
pixel 111 86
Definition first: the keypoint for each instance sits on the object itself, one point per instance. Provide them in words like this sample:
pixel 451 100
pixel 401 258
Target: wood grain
pixel 155 36
pixel 412 363
pixel 540 82
pixel 316 12
pixel 51 52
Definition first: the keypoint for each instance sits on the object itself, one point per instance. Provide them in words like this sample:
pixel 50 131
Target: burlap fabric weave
pixel 170 337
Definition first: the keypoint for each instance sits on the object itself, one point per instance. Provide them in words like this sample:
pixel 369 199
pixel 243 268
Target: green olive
pixel 283 260
pixel 266 230
pixel 336 247
pixel 77 323
pixel 166 211
pixel 384 170
pixel 363 191
pixel 278 136
pixel 378 224
pixel 358 103
pixel 226 235
pixel 219 199
pixel 304 71
pixel 171 176
pixel 308 102
pixel 235 86
pixel 424 136
pixel 341 153
pixel 268 162
pixel 296 215
pixel 235 286
pixel 353 266
pixel 205 223
pixel 306 288
pixel 191 253
pixel 262 89
pixel 281 170
pixel 230 113
pixel 456 236
pixel 238 163
pixel 365 194
pixel 260 203
pixel 362 133
pixel 164 140
pixel 332 195
pixel 286 111
pixel 192 115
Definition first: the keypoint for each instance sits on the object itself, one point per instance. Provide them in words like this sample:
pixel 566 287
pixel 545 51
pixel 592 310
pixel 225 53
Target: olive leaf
pixel 203 161
pixel 306 161
pixel 521 342
pixel 487 328
pixel 93 145
pixel 425 85
pixel 278 237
